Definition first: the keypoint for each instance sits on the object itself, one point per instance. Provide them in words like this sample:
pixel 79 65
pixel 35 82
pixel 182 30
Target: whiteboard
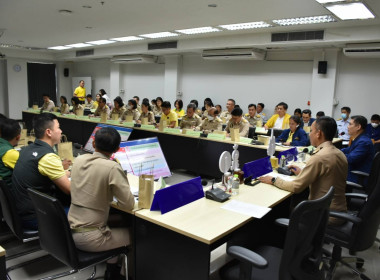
pixel 87 84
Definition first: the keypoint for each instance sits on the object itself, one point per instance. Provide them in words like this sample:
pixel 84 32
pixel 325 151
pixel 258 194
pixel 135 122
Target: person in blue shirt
pixel 373 131
pixel 307 120
pixel 361 152
pixel 295 135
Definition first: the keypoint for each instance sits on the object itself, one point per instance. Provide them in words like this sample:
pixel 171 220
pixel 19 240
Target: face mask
pixel 210 118
pixel 343 116
pixel 374 125
pixel 130 107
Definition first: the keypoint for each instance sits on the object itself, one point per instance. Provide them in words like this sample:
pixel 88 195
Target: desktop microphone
pixel 204 182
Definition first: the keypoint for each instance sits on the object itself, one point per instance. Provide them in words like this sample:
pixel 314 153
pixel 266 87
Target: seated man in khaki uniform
pixel 237 121
pixel 48 104
pixel 104 179
pixel 102 107
pixel 191 120
pixel 227 114
pixel 252 117
pixel 212 122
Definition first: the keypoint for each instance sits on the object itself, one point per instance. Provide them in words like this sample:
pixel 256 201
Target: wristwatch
pixel 273 180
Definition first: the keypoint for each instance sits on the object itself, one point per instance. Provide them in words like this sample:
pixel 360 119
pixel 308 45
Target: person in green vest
pixel 10 136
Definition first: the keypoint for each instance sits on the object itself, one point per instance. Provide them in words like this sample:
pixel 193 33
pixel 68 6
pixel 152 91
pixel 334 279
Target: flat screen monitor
pixel 143 156
pixel 123 131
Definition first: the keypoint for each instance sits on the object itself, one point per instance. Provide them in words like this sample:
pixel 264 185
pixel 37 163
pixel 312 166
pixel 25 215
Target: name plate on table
pixel 95 120
pixel 261 130
pixel 245 140
pixel 291 152
pixel 175 196
pixel 148 126
pixel 257 168
pixel 113 121
pixel 130 124
pixel 193 133
pixel 172 130
pixel 216 136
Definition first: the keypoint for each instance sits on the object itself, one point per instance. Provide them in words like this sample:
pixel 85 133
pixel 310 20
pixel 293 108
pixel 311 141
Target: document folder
pixel 175 196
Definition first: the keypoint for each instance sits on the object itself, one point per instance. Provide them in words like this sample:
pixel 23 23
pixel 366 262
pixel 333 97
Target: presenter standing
pixel 80 92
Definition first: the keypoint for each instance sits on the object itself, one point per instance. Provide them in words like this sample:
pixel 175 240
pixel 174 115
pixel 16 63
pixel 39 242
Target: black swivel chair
pixel 56 239
pixel 357 234
pixel 301 257
pixel 251 132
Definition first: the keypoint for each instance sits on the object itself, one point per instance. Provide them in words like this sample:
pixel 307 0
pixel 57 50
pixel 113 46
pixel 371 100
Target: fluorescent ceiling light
pixel 127 39
pixel 198 30
pixel 159 35
pixel 59 48
pixel 328 1
pixel 247 25
pixel 79 45
pixel 350 11
pixel 100 42
pixel 304 20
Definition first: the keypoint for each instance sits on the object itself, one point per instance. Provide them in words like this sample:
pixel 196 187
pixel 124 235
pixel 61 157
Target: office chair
pixel 357 234
pixel 301 256
pixel 251 132
pixel 13 221
pixel 56 238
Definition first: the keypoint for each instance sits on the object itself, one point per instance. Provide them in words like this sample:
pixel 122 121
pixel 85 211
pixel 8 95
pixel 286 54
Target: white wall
pixel 269 82
pixel 143 80
pixel 358 86
pixel 64 83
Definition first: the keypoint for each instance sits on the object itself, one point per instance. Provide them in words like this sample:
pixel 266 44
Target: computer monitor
pixel 123 131
pixel 143 156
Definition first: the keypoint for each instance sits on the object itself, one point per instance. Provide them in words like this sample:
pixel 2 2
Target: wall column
pixel 173 71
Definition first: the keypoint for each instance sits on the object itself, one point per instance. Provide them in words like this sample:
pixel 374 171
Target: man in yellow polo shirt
pixel 10 136
pixel 168 115
pixel 38 167
pixel 80 92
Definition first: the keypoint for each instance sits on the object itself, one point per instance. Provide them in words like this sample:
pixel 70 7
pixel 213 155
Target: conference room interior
pixel 177 67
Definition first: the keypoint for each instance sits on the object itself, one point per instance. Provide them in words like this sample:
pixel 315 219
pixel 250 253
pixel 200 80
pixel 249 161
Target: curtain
pixel 41 80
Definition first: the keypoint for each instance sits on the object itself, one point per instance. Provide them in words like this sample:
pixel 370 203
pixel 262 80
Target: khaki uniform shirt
pixel 77 108
pixel 119 111
pixel 192 122
pixel 139 108
pixel 134 113
pixel 65 109
pixel 253 120
pixel 198 112
pixel 99 111
pixel 48 106
pixel 326 167
pixel 227 115
pixel 215 124
pixel 243 127
pixel 95 180
pixel 149 115
pixel 157 111
pixel 90 105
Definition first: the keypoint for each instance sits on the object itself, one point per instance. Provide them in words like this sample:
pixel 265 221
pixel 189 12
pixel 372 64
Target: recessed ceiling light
pixel 59 48
pixel 198 30
pixel 212 5
pixel 88 27
pixel 127 39
pixel 79 45
pixel 350 11
pixel 86 7
pixel 247 25
pixel 304 20
pixel 65 12
pixel 328 1
pixel 100 42
pixel 159 35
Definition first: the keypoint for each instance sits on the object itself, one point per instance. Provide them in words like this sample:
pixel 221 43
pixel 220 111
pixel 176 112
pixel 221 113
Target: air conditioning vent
pixel 134 59
pixel 84 53
pixel 162 45
pixel 363 50
pixel 234 54
pixel 298 36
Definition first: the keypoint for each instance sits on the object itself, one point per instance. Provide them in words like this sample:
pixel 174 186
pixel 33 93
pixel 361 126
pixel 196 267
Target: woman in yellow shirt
pixel 96 102
pixel 178 104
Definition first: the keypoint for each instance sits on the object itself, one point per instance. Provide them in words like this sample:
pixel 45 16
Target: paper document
pixel 247 209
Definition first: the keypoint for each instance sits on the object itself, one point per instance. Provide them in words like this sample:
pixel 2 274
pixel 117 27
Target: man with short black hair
pixel 281 119
pixel 38 167
pixel 104 179
pixel 191 120
pixel 326 167
pixel 307 120
pixel 80 92
pixel 361 152
pixel 343 123
pixel 230 106
pixel 252 117
pixel 238 122
pixel 48 104
pixel 137 99
pixel 90 103
pixel 168 115
pixel 10 136
pixel 260 111
pixel 102 107
pixel 373 131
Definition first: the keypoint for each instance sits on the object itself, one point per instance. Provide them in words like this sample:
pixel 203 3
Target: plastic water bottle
pixel 235 184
